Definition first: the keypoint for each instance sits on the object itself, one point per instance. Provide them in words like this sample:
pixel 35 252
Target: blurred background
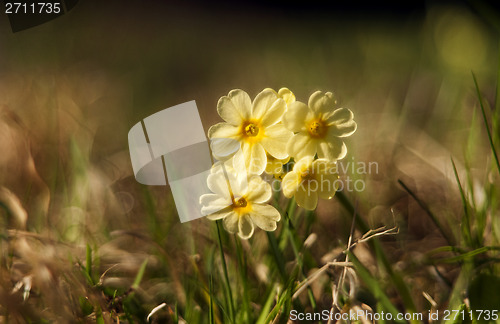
pixel 71 89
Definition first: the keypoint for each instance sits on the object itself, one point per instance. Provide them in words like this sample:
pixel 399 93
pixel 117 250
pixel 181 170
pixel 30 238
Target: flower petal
pixel 223 148
pixel 290 183
pixel 235 107
pixel 301 145
pixel 332 149
pixel 275 141
pixel 274 165
pixel 213 203
pixel 296 116
pixel 340 116
pixel 274 114
pixel 221 214
pixel 245 227
pixel 342 130
pixel 230 222
pixel 263 103
pixel 325 173
pixel 223 130
pixel 322 103
pixel 265 217
pixel 255 158
pixel 287 95
pixel 217 183
pixel 267 211
pixel 258 191
pixel 306 198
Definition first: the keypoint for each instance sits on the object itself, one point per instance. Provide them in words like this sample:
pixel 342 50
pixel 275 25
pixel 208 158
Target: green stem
pixel 226 276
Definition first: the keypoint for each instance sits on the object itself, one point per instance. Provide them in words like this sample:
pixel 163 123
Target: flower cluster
pixel 263 135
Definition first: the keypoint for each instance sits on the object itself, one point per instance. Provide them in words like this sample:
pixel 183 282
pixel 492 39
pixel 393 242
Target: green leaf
pixel 140 274
pixel 85 306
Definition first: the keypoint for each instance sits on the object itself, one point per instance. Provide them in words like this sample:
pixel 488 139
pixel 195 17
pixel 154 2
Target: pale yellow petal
pixel 212 203
pixel 230 222
pixel 303 164
pixel 326 176
pixel 340 116
pixel 332 149
pixel 217 183
pixel 275 166
pixel 221 214
pixel 329 184
pixel 263 102
pixel 267 211
pixel 296 116
pixel 258 191
pixel 341 123
pixel 306 198
pixel 290 183
pixel 245 227
pixel 287 95
pixel 322 103
pixel 255 158
pixel 223 130
pixel 224 148
pixel 274 113
pixel 301 145
pixel 342 130
pixel 275 141
pixel 265 217
pixel 235 107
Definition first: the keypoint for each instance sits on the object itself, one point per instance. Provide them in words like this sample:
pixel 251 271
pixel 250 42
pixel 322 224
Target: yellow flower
pixel 255 125
pixel 310 180
pixel 318 127
pixel 242 205
pixel 275 166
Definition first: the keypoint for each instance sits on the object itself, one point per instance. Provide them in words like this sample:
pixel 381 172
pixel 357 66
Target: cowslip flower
pixel 255 125
pixel 309 180
pixel 242 204
pixel 319 127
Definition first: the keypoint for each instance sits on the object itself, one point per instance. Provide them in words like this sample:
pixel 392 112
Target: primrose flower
pixel 255 125
pixel 309 180
pixel 318 127
pixel 242 205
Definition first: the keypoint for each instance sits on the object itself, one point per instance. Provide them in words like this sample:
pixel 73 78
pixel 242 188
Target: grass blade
pixel 449 239
pixel 226 276
pixel 140 274
pixel 374 287
pixel 485 119
pixel 466 229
